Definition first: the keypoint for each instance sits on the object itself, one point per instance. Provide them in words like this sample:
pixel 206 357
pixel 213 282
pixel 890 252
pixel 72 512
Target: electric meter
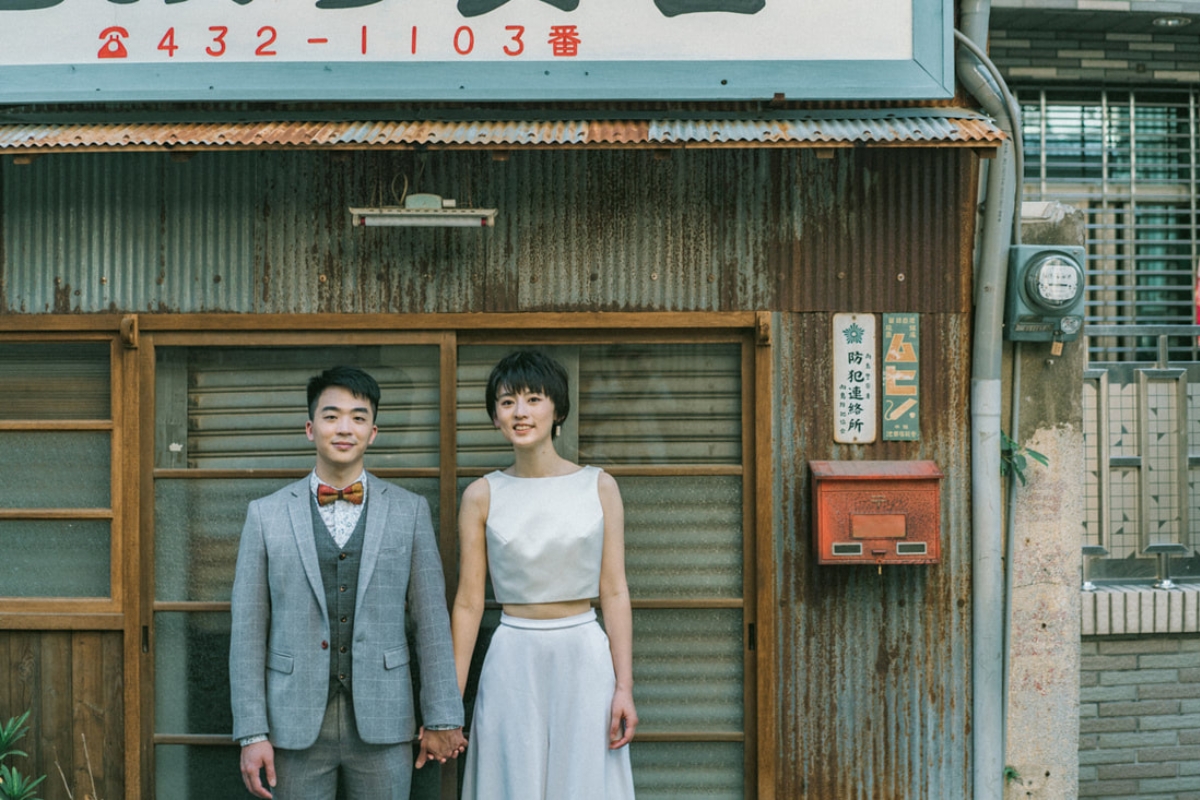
pixel 1045 293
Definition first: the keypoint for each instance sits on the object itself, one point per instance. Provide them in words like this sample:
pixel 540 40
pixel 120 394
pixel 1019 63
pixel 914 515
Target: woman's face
pixel 525 417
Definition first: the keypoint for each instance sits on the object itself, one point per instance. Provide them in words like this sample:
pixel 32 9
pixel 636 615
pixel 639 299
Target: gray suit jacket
pixel 278 669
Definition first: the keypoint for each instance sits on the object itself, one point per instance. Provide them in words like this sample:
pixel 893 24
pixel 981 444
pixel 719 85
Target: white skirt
pixel 540 729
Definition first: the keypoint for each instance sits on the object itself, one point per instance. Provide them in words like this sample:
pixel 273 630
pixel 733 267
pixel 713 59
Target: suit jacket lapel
pixel 377 513
pixel 300 510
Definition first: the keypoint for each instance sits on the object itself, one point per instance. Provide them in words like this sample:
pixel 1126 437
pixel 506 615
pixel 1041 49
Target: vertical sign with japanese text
pixel 854 378
pixel 901 377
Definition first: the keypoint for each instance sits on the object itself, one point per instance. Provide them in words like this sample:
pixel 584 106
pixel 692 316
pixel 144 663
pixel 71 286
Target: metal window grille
pixel 1128 159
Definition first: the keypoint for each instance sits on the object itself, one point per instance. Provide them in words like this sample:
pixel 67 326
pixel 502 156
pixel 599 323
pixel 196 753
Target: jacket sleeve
pixel 251 620
pixel 441 705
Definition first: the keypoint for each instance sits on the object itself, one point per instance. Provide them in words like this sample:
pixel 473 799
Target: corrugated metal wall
pixel 874 690
pixel 876 703
pixel 581 230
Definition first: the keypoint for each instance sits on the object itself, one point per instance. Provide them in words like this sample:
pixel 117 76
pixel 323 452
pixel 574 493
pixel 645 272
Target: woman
pixel 554 711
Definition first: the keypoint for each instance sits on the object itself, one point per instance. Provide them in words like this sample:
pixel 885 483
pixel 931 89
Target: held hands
pixel 624 719
pixel 439 746
pixel 255 758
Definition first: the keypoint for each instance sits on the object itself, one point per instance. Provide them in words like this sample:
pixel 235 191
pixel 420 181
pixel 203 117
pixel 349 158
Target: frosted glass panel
pixel 246 407
pixel 55 380
pixel 191 663
pixel 55 469
pixel 682 771
pixel 660 404
pixel 683 536
pixel 479 443
pixel 634 404
pixel 55 558
pixel 198 525
pixel 188 772
pixel 688 669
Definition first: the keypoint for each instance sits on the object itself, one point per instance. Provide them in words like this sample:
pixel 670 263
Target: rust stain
pixel 62 297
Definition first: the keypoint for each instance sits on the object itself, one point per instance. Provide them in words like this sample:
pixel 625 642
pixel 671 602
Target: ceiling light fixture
pixel 424 211
pixel 1171 22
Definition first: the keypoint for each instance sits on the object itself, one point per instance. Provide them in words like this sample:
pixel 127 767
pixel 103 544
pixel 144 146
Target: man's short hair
pixel 530 371
pixel 352 379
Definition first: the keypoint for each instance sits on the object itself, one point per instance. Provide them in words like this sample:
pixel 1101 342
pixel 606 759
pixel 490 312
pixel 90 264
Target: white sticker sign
pixel 854 378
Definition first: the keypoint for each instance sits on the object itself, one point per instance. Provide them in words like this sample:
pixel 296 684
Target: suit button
pixel 343 620
pixel 342 649
pixel 324 645
pixel 342 588
pixel 341 556
pixel 342 676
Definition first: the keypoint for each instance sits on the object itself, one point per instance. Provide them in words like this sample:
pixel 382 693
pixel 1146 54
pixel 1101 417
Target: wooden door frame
pixel 132 607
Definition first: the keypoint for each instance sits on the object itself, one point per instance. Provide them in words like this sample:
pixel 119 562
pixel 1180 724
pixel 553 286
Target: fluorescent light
pixel 1171 22
pixel 398 216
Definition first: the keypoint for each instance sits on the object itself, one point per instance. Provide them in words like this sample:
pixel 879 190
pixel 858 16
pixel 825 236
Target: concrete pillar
pixel 1043 699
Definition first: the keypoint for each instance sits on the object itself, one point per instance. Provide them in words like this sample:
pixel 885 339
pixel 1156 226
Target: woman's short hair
pixel 530 371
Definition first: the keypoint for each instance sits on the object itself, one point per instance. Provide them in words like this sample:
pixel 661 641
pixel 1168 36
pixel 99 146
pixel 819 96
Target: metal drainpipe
pixel 987 569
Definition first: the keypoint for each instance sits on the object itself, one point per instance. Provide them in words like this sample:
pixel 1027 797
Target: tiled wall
pixel 1057 57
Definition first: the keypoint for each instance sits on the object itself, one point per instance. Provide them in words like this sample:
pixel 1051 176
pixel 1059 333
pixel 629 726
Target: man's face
pixel 342 426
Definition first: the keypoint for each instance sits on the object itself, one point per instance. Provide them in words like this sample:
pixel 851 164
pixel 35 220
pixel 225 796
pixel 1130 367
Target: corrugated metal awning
pixel 920 127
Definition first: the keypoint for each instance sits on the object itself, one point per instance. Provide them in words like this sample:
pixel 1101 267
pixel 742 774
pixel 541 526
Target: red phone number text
pixel 563 42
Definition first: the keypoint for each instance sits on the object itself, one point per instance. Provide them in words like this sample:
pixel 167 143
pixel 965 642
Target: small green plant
pixel 1014 458
pixel 10 732
pixel 14 785
pixel 1011 774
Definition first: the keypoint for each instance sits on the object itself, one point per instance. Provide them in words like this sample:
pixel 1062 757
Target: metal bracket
pixel 129 331
pixel 762 328
pixel 1164 553
pixel 1090 551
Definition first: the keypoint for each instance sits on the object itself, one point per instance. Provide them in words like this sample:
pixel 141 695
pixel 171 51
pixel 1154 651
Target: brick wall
pixel 1140 717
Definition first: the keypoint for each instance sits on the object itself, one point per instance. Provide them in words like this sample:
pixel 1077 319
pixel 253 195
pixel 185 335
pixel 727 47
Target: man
pixel 319 660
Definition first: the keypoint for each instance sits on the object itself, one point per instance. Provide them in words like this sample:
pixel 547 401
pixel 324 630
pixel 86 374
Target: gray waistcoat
pixel 339 574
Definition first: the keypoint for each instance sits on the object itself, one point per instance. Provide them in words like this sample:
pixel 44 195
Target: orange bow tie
pixel 351 494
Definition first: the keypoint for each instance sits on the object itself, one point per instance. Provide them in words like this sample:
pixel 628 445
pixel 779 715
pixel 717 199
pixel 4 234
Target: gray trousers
pixel 365 771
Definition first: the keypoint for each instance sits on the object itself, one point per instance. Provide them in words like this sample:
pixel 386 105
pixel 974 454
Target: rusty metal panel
pixel 882 234
pixel 577 230
pixel 243 232
pixel 889 128
pixel 113 233
pixel 689 230
pixel 625 231
pixel 205 260
pixel 80 234
pixel 746 229
pixel 309 257
pixel 875 666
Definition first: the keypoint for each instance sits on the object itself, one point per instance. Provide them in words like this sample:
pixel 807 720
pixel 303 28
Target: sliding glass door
pixel 668 418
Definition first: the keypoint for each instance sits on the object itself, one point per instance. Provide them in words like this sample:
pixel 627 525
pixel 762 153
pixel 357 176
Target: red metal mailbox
pixel 876 512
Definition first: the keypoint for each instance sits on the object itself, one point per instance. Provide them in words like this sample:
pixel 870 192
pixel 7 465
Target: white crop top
pixel 545 537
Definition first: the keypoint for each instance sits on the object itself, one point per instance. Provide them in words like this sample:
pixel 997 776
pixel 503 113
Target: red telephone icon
pixel 113 47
